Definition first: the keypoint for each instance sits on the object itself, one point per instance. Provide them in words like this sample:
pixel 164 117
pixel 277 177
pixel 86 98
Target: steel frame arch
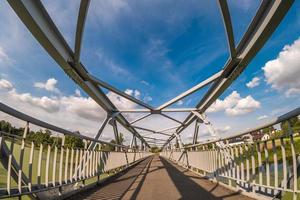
pixel 33 14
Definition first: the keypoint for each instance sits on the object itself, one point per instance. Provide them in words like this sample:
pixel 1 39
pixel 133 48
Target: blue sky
pixel 153 50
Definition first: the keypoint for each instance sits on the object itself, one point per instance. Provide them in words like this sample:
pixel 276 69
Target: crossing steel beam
pixel 117 91
pixel 35 17
pixel 191 90
pixel 228 27
pixel 264 23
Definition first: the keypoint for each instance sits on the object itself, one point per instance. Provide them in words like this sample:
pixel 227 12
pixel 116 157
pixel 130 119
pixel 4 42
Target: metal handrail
pixel 272 122
pixel 17 114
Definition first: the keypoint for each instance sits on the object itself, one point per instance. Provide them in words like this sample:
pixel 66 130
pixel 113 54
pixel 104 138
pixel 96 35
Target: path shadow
pixel 116 187
pixel 187 188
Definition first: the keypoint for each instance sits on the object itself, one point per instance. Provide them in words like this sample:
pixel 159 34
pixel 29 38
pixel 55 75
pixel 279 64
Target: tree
pixel 5 126
pixel 155 149
pixel 73 141
pixel 40 137
pixel 294 124
pixel 268 129
pixel 109 147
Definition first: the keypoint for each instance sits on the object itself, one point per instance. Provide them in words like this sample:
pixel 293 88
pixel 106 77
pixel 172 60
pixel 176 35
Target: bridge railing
pixel 266 167
pixel 49 170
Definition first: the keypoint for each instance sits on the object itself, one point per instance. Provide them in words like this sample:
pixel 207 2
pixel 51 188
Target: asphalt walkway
pixel 158 178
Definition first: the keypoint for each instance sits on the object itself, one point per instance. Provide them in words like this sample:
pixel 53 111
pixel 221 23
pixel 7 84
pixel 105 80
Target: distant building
pixel 259 135
pixel 247 138
pixel 265 137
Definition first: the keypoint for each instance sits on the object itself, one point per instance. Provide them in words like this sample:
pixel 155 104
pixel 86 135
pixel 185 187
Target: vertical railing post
pixel 61 160
pixel 275 159
pixel 247 149
pixel 54 165
pixel 39 171
pixel 242 165
pixel 22 157
pixel 9 165
pixel 83 163
pixel 294 159
pixel 47 165
pixel 71 165
pixel 66 165
pixel 99 163
pixel 267 163
pixel 253 168
pixel 260 175
pixel 284 164
pixel 76 164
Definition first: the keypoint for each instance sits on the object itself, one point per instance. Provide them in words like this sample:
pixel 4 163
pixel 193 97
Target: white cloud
pixel 49 85
pixel 134 93
pixel 234 104
pixel 147 98
pixel 262 117
pixel 77 93
pixel 74 111
pixel 4 58
pixel 83 107
pixel 228 102
pixel 222 130
pixel 283 72
pixel 253 83
pixel 5 84
pixel 109 10
pixel 145 83
pixel 50 105
pixel 180 102
pixel 156 49
pixel 122 103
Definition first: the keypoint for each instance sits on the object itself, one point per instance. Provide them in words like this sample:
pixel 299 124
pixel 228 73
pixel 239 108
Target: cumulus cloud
pixel 234 104
pixel 122 103
pixel 262 117
pixel 83 107
pixel 49 85
pixel 180 102
pixel 4 58
pixel 77 93
pixel 5 84
pixel 46 103
pixel 147 98
pixel 222 130
pixel 229 101
pixel 134 93
pixel 253 83
pixel 73 112
pixel 283 72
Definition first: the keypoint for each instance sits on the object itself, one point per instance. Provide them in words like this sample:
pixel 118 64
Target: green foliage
pixel 155 149
pixel 72 141
pixel 41 136
pixel 294 125
pixel 8 128
pixel 268 129
pixel 109 147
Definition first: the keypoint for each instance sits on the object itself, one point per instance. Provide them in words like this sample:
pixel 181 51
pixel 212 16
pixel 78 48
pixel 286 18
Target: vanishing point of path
pixel 157 178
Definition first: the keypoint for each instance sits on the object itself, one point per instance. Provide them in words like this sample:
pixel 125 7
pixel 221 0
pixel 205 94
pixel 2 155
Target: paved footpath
pixel 158 178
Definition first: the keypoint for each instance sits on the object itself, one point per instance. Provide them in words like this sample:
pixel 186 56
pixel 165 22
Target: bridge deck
pixel 158 178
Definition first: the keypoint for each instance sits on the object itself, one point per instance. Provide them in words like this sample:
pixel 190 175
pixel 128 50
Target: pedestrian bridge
pixel 219 168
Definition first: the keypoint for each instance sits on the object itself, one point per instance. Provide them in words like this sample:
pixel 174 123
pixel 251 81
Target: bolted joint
pixel 155 111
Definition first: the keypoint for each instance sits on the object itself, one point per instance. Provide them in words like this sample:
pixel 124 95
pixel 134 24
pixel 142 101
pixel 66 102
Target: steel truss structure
pixel 36 18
